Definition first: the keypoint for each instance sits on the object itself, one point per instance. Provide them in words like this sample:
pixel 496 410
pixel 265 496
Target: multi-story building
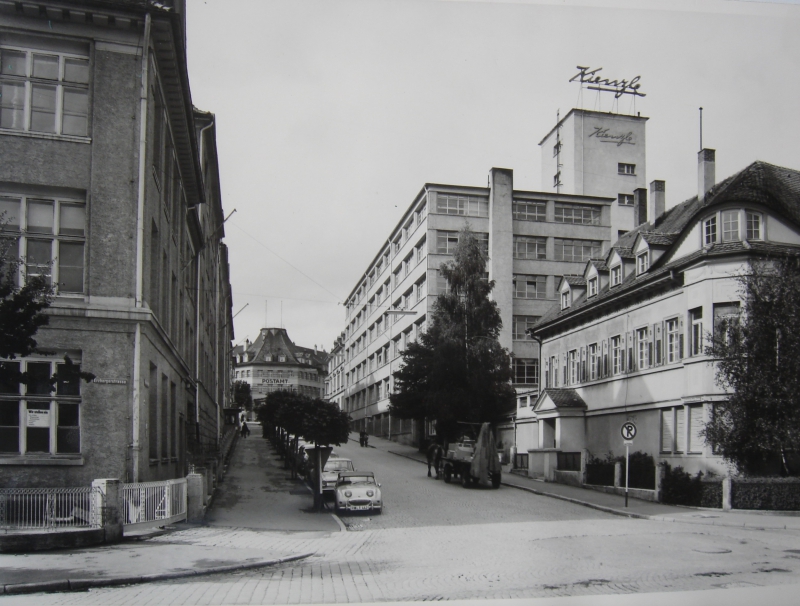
pixel 334 381
pixel 273 363
pixel 109 178
pixel 627 341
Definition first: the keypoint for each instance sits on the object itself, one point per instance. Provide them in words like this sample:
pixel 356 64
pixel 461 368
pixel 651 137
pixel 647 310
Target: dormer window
pixel 642 262
pixel 281 358
pixel 710 231
pixel 268 358
pixel 753 225
pixel 616 275
pixel 565 299
pixel 592 286
pixel 730 225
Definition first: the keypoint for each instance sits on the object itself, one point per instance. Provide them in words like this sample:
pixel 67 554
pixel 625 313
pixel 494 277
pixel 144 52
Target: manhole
pixel 714 551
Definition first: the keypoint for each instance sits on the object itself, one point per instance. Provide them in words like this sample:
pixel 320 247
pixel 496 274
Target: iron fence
pixel 154 503
pixel 50 508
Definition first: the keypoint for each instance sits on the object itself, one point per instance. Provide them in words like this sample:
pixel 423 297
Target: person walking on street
pixel 245 429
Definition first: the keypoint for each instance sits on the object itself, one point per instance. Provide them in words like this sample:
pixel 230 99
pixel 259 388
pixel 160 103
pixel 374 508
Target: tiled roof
pixel 659 239
pixel 275 342
pixel 573 280
pixel 775 187
pixel 564 397
pixel 600 264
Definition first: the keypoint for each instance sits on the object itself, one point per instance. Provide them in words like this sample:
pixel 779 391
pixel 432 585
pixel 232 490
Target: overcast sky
pixel 332 115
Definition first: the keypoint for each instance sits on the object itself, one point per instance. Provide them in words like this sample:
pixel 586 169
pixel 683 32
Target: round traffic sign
pixel 628 430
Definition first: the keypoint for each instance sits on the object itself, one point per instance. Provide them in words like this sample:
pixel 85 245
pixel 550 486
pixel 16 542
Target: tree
pixel 242 395
pixel 758 358
pixel 457 371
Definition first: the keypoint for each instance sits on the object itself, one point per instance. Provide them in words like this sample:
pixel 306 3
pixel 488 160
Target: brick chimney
pixel 658 203
pixel 705 171
pixel 639 206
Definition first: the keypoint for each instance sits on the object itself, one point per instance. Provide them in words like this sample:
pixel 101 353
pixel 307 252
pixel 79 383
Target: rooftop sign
pixel 589 76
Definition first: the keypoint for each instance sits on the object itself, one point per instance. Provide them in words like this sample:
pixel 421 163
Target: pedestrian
pixel 245 429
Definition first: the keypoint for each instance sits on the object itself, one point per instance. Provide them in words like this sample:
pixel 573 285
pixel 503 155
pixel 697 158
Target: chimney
pixel 639 206
pixel 705 171
pixel 658 201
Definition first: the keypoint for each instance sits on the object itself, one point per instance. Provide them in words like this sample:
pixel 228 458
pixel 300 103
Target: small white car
pixel 330 473
pixel 357 491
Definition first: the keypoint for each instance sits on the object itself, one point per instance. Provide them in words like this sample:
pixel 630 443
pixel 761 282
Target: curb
pixel 83 584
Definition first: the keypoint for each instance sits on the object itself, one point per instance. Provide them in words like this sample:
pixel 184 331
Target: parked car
pixel 357 491
pixel 330 473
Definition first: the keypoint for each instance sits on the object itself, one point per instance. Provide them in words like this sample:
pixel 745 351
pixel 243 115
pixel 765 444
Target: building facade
pixel 627 340
pixel 274 363
pixel 334 381
pixel 109 178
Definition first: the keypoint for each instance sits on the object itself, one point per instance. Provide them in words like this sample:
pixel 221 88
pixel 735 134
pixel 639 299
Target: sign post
pixel 628 432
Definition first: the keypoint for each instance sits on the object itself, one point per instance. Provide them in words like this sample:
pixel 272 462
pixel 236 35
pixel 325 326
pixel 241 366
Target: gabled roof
pixel 658 239
pixel 574 280
pixel 599 264
pixel 276 342
pixel 773 186
pixel 561 398
pixel 625 252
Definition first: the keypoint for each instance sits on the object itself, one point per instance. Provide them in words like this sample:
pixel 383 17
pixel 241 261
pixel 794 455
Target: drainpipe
pixel 137 342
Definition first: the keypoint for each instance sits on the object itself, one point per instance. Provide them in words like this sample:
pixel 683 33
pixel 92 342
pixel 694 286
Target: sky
pixel 333 114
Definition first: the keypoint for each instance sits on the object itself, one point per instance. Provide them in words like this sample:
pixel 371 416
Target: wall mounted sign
pixel 110 381
pixel 605 136
pixel 38 417
pixel 618 87
pixel 275 381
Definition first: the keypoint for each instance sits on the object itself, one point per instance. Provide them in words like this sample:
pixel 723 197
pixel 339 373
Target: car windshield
pixel 356 480
pixel 342 465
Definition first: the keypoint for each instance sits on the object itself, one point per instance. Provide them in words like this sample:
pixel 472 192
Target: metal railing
pixel 153 504
pixel 50 508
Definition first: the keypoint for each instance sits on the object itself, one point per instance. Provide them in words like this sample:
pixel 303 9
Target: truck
pixel 473 461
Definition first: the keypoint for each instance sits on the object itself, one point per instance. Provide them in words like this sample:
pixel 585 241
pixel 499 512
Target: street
pixel 437 541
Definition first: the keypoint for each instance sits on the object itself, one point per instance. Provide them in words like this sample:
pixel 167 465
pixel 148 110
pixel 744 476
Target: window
pixel 626 169
pixel 37 417
pixel 526 371
pixel 592 286
pixel 616 275
pixel 450 204
pixel 673 341
pixel 446 242
pixel 617 355
pixel 530 287
pixel 573 367
pixel 726 319
pixel 594 359
pixel 625 199
pixel 557 179
pixel 730 225
pixel 642 350
pixel 642 262
pixel 710 231
pixel 696 335
pixel 520 324
pixel 673 430
pixel 529 211
pixel 556 148
pixel 44 92
pixel 529 247
pixel 577 213
pixel 576 250
pixel 51 238
pixel 753 225
pixel 565 299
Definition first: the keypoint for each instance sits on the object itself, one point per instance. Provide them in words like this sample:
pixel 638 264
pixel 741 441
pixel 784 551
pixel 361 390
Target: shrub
pixel 777 494
pixel 678 487
pixel 643 471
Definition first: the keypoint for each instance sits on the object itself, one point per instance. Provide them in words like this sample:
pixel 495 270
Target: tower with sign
pixel 599 153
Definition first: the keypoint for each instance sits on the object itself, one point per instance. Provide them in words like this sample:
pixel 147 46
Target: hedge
pixel 681 488
pixel 600 472
pixel 776 494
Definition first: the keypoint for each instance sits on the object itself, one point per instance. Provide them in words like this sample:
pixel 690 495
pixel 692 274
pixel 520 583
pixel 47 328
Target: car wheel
pixel 448 475
pixel 378 511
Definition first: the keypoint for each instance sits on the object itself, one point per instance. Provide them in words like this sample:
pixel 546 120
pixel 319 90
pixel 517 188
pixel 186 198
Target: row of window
pixel 731 226
pixel 623 168
pixel 279 374
pixel 642 348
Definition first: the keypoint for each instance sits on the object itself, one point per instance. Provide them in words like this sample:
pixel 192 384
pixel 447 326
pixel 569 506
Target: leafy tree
pixel 457 371
pixel 758 358
pixel 325 424
pixel 242 395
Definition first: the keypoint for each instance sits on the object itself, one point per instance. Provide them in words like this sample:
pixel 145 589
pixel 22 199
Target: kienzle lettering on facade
pixel 618 87
pixel 606 137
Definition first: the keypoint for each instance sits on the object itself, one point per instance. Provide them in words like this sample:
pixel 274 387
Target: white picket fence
pixel 153 504
pixel 36 509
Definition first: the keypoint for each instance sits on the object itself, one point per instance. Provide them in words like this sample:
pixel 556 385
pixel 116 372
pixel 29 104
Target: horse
pixel 434 456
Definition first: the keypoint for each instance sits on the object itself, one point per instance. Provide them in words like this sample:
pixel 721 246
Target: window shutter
pixel 631 365
pixel 681 331
pixel 667 430
pixel 604 360
pixel 583 364
pixel 680 429
pixel 696 426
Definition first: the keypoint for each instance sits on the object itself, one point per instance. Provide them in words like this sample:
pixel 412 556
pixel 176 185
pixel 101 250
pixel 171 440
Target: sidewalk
pixel 615 504
pixel 257 502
